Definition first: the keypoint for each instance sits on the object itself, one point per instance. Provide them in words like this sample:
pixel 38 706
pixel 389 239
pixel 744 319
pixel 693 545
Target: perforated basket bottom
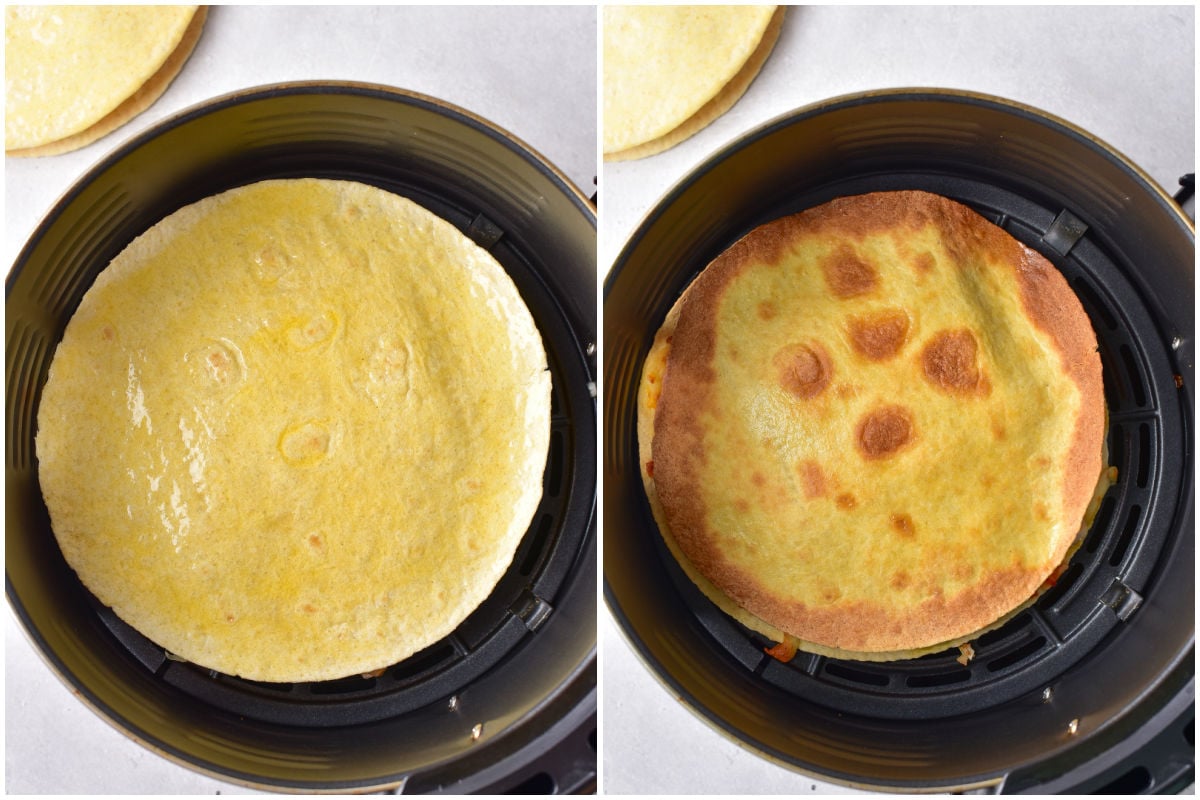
pixel 1106 578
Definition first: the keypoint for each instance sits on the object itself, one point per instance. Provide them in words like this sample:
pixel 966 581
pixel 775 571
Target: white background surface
pixel 530 71
pixel 1125 74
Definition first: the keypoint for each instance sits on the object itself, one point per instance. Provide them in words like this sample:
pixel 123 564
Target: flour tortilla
pixel 296 431
pixel 670 71
pixel 874 429
pixel 74 74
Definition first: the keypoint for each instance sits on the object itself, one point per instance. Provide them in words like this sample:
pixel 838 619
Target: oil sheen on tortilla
pixel 296 431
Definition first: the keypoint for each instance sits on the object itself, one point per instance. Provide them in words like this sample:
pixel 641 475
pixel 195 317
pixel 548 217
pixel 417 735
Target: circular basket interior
pixel 1055 680
pixel 516 680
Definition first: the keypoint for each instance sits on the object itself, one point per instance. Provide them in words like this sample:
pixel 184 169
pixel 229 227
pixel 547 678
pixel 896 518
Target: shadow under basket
pixel 1093 685
pixel 507 702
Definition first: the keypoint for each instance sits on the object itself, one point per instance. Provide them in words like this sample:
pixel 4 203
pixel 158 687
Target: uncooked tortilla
pixel 669 71
pixel 296 431
pixel 75 73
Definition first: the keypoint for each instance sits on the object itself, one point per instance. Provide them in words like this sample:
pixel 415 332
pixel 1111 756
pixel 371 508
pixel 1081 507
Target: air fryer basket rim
pixel 576 328
pixel 315 87
pixel 680 190
pixel 867 97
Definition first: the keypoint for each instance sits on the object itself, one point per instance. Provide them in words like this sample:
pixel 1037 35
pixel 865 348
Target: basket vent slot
pixel 1133 376
pixel 537 545
pixel 1136 781
pixel 422 662
pixel 1143 456
pixel 854 675
pixel 1023 652
pixel 1062 586
pixel 1127 534
pixel 554 469
pixel 1100 524
pixel 938 679
pixel 1094 304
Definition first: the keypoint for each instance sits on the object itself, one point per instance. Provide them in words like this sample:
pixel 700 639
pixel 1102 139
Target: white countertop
pixel 529 70
pixel 1125 74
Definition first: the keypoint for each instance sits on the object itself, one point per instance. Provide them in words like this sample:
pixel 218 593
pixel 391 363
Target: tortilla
pixel 74 74
pixel 670 71
pixel 875 427
pixel 296 431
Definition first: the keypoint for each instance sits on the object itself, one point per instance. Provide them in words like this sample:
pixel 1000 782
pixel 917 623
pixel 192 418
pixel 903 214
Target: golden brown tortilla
pixel 296 431
pixel 875 427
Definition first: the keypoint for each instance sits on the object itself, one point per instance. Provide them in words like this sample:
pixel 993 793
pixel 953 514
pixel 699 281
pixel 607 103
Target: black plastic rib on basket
pixel 521 601
pixel 1110 572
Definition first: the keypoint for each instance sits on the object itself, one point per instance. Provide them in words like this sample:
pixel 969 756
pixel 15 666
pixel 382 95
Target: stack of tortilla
pixel 73 74
pixel 669 71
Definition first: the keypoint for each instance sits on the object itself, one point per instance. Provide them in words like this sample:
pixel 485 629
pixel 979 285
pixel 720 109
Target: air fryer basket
pixel 508 700
pixel 1103 663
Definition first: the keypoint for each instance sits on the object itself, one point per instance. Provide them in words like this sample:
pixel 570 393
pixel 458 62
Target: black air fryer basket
pixel 1090 688
pixel 506 702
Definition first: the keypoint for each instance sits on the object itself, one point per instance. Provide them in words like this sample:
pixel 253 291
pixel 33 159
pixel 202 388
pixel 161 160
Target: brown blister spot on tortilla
pixel 309 608
pixel 924 263
pixel 1041 512
pixel 903 525
pixel 846 501
pixel 108 333
pixel 900 580
pixel 950 361
pixel 812 479
pixel 803 370
pixel 831 594
pixel 847 275
pixel 885 431
pixel 757 479
pixel 879 336
pixel 314 540
pixel 767 310
pixel 741 505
